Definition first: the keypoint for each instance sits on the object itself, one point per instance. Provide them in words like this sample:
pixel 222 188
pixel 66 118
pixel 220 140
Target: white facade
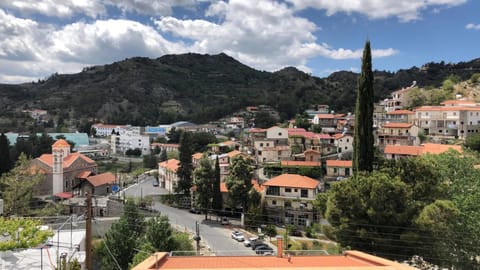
pixel 344 143
pixel 277 133
pixel 130 140
pixel 102 130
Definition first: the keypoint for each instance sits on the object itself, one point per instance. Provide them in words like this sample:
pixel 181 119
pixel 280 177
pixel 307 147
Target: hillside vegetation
pixel 201 88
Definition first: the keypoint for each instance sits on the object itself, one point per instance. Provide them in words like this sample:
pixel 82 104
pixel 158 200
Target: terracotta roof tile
pixel 197 156
pixel 257 130
pixel 350 260
pixel 339 163
pixel 101 179
pixel 171 164
pixel 234 153
pixel 325 116
pixel 256 186
pixel 403 150
pixel 460 102
pixel 292 180
pixel 447 108
pixel 61 143
pixel 84 175
pixel 296 163
pixel 67 161
pixel 433 148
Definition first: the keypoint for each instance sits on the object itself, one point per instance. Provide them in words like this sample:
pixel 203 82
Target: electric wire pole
pixel 88 233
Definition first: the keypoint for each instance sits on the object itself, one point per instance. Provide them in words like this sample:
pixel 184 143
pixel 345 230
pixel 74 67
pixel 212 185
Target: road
pixel 215 235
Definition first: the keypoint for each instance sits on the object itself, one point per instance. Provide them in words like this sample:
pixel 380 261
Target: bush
pixel 329 232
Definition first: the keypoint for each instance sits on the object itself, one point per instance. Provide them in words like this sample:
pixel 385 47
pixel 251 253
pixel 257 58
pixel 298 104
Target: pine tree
pixel 363 150
pixel 185 169
pixel 5 161
pixel 217 203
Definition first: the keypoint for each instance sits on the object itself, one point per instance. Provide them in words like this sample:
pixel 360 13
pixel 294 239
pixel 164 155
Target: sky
pixel 41 37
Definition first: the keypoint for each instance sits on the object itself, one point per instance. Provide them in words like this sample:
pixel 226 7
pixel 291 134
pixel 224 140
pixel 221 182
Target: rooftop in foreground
pixel 350 260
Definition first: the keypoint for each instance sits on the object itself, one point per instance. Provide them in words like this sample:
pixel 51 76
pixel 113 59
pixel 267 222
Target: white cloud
pixel 64 8
pixel 264 34
pixel 405 10
pixel 151 7
pixel 472 26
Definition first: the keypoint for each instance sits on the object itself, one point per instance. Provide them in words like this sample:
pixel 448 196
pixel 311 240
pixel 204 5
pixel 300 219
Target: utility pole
pixel 88 233
pixel 197 237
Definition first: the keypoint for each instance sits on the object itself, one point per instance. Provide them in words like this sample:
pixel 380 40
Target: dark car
pixel 194 210
pixel 264 249
pixel 256 244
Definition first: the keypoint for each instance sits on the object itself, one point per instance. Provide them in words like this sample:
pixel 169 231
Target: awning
pixel 64 195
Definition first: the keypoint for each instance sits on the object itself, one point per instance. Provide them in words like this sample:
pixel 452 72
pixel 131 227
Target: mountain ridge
pixel 201 88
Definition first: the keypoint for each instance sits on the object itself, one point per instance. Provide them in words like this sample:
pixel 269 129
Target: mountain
pixel 201 88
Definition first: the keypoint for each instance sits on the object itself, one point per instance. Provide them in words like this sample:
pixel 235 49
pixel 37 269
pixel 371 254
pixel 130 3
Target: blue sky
pixel 41 37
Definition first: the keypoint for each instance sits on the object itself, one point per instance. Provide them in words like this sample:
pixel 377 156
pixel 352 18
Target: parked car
pixel 264 250
pixel 238 236
pixel 194 210
pixel 225 221
pixel 248 242
pixel 155 183
pixel 256 244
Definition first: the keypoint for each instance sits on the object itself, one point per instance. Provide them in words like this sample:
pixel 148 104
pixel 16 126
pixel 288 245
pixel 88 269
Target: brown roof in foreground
pixel 292 180
pixel 339 163
pixel 101 179
pixel 351 260
pixel 430 148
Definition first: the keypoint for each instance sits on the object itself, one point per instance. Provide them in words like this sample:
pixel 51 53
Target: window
pixel 335 170
pixel 261 144
pixel 273 191
pixel 279 133
pixel 288 190
pixel 288 204
pixel 274 202
pixel 296 190
pixel 304 193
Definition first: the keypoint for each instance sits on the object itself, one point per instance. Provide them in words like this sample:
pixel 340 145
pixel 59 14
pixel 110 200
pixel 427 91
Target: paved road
pixel 216 236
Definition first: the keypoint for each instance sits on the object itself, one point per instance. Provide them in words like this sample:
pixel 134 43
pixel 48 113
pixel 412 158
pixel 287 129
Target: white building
pixel 103 130
pixel 65 243
pixel 130 139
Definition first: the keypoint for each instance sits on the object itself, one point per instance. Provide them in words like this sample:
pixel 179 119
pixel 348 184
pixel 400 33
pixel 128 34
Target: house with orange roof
pixel 196 159
pixel 327 121
pixel 400 151
pixel 452 120
pixel 338 169
pixel 312 155
pixel 226 197
pixel 99 185
pixel 397 133
pixel 301 140
pixel 167 174
pixel 350 260
pixel 63 170
pixel 288 199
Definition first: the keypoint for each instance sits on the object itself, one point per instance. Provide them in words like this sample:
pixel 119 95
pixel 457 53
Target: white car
pixel 248 242
pixel 238 236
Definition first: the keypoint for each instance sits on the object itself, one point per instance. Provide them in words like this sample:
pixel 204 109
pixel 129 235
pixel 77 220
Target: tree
pixel 204 180
pixel 473 142
pixel 185 169
pixel 119 242
pixel 201 140
pixel 5 161
pixel 174 135
pixel 18 187
pixel 263 119
pixel 301 121
pixel 150 161
pixel 363 150
pixel 239 182
pixel 159 234
pixel 163 155
pixel 217 200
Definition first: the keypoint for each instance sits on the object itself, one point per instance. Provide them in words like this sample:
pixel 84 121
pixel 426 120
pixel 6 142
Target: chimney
pixel 279 246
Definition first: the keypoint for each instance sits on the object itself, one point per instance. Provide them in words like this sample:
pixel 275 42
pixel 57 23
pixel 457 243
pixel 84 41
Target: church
pixel 63 170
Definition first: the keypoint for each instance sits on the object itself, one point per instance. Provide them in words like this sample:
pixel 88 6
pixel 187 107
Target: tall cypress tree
pixel 363 150
pixel 217 194
pixel 185 169
pixel 5 161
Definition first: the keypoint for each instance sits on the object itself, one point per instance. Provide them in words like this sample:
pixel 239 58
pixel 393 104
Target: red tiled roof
pixel 433 148
pixel 348 261
pixel 64 195
pixel 296 163
pixel 101 179
pixel 339 163
pixel 234 153
pixel 295 130
pixel 67 161
pixel 292 180
pixel 84 175
pixel 61 143
pixel 397 125
pixel 401 112
pixel 447 108
pixel 257 130
pixel 171 164
pixel 325 116
pixel 403 150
